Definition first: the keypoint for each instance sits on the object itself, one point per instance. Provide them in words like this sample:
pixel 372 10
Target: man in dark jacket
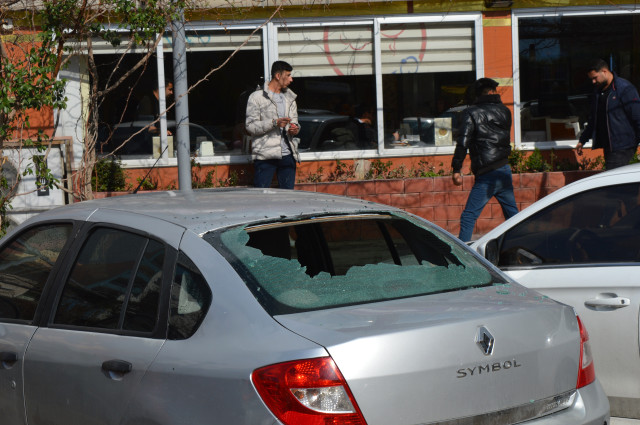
pixel 614 119
pixel 485 130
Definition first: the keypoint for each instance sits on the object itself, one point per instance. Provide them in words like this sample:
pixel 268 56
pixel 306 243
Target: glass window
pixel 129 108
pixel 26 263
pixel 190 299
pixel 554 54
pixel 327 262
pixel 142 307
pixel 216 106
pixel 115 279
pixel 334 79
pixel 426 70
pixel 597 226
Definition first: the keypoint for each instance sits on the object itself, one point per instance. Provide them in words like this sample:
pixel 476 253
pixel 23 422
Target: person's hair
pixel 361 109
pixel 483 86
pixel 279 67
pixel 597 65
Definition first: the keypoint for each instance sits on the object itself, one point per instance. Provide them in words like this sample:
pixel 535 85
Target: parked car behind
pixel 135 141
pixel 581 246
pixel 322 130
pixel 263 307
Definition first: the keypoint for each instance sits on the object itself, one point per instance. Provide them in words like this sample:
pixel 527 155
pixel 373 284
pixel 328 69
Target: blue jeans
pixel 496 183
pixel 285 169
pixel 617 159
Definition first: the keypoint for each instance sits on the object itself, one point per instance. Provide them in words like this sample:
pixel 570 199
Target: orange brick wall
pixel 438 200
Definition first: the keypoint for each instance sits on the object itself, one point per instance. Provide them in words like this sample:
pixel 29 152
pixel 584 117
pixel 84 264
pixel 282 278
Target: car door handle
pixel 117 366
pixel 7 359
pixel 617 302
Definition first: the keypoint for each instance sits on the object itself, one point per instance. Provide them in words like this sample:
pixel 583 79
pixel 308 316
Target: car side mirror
pixel 328 145
pixel 491 251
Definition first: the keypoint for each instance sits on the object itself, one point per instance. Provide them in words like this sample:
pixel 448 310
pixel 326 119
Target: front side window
pixel 114 283
pixel 25 265
pixel 327 262
pixel 597 226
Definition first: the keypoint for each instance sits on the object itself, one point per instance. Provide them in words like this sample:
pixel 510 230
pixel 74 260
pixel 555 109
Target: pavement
pixel 623 421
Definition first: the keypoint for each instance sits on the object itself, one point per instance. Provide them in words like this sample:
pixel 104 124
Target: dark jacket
pixel 485 130
pixel 623 116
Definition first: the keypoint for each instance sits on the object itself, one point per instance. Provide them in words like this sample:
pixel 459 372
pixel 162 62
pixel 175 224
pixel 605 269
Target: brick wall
pixel 438 200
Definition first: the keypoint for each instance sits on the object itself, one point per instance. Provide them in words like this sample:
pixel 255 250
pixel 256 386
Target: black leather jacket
pixel 485 130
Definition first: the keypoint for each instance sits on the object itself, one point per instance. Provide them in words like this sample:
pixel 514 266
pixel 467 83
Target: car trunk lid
pixel 450 356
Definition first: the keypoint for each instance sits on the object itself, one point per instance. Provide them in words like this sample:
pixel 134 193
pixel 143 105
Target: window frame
pixel 170 257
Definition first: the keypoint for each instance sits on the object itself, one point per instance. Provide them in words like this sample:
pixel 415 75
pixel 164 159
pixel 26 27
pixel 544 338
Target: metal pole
pixel 180 87
pixel 162 99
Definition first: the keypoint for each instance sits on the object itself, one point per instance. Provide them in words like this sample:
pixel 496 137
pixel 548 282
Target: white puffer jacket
pixel 261 113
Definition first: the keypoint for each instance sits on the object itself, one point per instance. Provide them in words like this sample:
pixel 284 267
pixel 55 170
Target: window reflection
pixel 216 111
pixel 426 70
pixel 554 53
pixel 334 81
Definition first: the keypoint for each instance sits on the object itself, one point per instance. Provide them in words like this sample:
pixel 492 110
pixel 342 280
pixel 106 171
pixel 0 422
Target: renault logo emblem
pixel 485 340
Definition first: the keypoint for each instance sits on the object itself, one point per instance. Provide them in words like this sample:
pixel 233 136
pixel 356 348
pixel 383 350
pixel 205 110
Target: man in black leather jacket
pixel 485 131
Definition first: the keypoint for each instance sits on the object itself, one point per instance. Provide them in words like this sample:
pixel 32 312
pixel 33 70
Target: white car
pixel 581 245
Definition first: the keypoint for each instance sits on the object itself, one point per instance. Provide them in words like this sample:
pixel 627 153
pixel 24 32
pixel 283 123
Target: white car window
pixel 596 226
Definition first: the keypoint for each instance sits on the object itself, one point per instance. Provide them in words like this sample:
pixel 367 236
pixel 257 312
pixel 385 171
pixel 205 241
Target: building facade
pixel 408 62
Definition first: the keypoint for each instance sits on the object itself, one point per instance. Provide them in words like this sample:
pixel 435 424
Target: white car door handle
pixel 617 302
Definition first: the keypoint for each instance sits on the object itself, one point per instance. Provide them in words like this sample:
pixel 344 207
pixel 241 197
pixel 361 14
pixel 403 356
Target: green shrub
pixel 108 176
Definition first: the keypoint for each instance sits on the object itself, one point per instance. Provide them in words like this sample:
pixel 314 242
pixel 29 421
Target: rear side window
pixel 190 299
pixel 596 226
pixel 114 283
pixel 327 262
pixel 25 265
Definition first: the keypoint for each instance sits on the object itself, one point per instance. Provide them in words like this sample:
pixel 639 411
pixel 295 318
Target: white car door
pixel 105 326
pixel 607 301
pixel 584 250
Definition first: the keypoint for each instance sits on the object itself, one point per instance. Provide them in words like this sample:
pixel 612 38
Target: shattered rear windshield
pixel 326 262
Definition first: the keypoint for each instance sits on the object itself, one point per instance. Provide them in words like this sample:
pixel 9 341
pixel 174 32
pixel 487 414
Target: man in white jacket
pixel 272 121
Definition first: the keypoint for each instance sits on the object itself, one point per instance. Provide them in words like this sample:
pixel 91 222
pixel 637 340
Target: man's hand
pixel 293 129
pixel 282 122
pixel 457 179
pixel 579 148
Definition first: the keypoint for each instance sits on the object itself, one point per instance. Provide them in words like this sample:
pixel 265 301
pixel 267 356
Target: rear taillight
pixel 586 370
pixel 307 392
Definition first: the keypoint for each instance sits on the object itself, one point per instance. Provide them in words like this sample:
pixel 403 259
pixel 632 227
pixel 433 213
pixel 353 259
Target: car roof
pixel 204 210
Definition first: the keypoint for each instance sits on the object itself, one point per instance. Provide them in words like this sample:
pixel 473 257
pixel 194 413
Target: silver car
pixel 263 307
